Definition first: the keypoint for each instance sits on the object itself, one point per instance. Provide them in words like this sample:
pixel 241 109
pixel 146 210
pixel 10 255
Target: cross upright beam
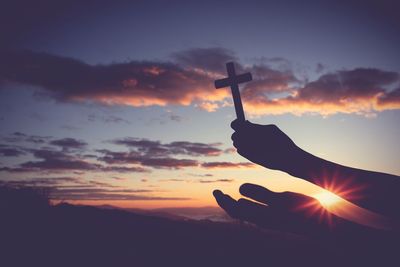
pixel 233 81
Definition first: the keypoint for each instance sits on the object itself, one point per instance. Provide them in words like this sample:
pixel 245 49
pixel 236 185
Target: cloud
pixel 188 80
pixel 54 161
pixel 156 148
pixel 154 154
pixel 173 180
pixel 107 119
pixel 18 137
pixel 8 151
pixel 69 143
pixel 206 59
pixel 361 91
pixel 143 155
pixel 44 181
pixel 174 117
pixel 230 150
pixel 216 181
pixel 170 163
pixel 202 181
pixel 390 100
pixel 201 175
pixel 122 169
pixel 147 160
pixel 224 164
pixel 135 83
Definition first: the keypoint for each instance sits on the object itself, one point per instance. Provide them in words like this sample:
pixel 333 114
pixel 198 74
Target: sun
pixel 327 199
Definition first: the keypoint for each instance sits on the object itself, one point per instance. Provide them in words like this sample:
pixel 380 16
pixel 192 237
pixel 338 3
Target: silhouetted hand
pixel 287 212
pixel 266 145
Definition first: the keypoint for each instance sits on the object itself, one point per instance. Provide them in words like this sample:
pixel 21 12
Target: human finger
pixel 226 202
pixel 261 194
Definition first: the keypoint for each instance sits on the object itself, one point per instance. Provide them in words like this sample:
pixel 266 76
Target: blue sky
pixel 305 41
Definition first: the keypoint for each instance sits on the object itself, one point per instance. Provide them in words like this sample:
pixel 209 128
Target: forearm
pixel 374 190
pixel 318 170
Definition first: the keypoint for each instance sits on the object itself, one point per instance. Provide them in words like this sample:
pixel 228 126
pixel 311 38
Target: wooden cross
pixel 233 81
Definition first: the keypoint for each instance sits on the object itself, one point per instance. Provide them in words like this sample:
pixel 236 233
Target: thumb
pixel 239 124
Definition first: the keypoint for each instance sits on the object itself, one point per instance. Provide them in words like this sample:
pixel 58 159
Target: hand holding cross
pixel 233 81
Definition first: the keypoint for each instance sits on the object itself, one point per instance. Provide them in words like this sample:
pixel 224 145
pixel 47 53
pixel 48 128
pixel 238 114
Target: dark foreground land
pixel 33 233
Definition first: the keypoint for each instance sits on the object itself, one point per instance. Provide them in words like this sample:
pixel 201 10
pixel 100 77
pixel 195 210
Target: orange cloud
pixel 189 81
pixel 360 91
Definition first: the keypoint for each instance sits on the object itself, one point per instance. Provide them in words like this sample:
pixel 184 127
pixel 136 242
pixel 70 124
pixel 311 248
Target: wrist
pixel 304 164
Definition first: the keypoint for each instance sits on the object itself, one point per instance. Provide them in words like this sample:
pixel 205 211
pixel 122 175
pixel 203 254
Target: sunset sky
pixel 113 102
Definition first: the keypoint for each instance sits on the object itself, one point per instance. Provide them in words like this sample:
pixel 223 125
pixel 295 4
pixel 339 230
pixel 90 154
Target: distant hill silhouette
pixel 182 213
pixel 33 233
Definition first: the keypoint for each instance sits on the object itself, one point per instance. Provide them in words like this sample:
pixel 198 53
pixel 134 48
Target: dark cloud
pixel 390 100
pixel 57 160
pixel 275 89
pixel 143 155
pixel 133 83
pixel 107 119
pixel 174 117
pixel 187 81
pixel 148 160
pixel 45 181
pixel 18 137
pixel 122 169
pixel 348 85
pixel 69 143
pixel 112 157
pixel 224 164
pixel 361 91
pixel 58 164
pixel 54 161
pixel 194 149
pixel 170 163
pixel 267 80
pixel 9 151
pixel 154 154
pixel 67 165
pixel 11 169
pixel 156 148
pixel 206 59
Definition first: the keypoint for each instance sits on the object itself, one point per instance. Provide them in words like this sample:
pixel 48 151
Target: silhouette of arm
pixel 268 146
pixel 378 191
